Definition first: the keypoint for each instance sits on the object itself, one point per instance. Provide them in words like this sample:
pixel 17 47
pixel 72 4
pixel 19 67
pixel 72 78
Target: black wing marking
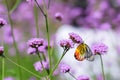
pixel 89 55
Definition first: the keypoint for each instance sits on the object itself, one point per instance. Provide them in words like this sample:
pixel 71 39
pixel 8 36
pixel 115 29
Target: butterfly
pixel 83 52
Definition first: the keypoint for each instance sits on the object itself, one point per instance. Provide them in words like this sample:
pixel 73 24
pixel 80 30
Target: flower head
pixel 65 68
pixel 38 65
pixel 36 42
pixel 2 22
pixel 83 77
pixel 1 50
pixel 58 16
pixel 66 44
pixel 99 48
pixel 75 38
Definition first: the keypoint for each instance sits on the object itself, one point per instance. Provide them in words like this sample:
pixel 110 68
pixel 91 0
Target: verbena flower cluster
pixel 100 48
pixel 36 44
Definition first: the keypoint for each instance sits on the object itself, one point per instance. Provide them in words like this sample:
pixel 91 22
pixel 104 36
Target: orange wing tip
pixel 78 57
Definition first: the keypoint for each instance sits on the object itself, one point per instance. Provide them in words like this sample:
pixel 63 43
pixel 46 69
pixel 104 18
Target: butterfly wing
pixel 88 54
pixel 80 52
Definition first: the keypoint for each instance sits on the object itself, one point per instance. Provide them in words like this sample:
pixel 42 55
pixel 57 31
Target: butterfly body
pixel 83 52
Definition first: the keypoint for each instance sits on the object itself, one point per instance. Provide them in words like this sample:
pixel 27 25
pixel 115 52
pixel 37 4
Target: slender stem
pixel 14 7
pixel 43 55
pixel 47 28
pixel 102 67
pixel 3 66
pixel 64 52
pixel 40 8
pixel 72 75
pixel 36 20
pixel 48 38
pixel 14 42
pixel 23 68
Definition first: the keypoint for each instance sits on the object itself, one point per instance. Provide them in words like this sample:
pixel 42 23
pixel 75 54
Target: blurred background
pixel 93 20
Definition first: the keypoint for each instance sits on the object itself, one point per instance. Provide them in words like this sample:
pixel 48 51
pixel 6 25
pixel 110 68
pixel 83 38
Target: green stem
pixel 15 6
pixel 3 66
pixel 48 38
pixel 43 55
pixel 47 28
pixel 102 67
pixel 40 8
pixel 14 42
pixel 23 68
pixel 36 20
pixel 64 52
pixel 72 75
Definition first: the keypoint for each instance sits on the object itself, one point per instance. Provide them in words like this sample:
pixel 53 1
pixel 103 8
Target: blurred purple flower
pixel 104 5
pixel 1 50
pixel 75 38
pixel 99 48
pixel 99 77
pixel 56 72
pixel 66 44
pixel 2 22
pixel 31 50
pixel 38 65
pixel 35 42
pixel 64 68
pixel 9 78
pixel 105 26
pixel 118 49
pixel 32 78
pixel 8 38
pixel 24 12
pixel 58 16
pixel 83 77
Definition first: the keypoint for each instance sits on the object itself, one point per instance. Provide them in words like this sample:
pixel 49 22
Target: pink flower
pixel 2 22
pixel 75 38
pixel 66 44
pixel 58 16
pixel 1 50
pixel 65 68
pixel 83 77
pixel 99 48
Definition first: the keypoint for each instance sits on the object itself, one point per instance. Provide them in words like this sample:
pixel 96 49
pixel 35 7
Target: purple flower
pixel 118 49
pixel 83 77
pixel 9 78
pixel 2 22
pixel 66 44
pixel 1 50
pixel 58 16
pixel 99 77
pixel 32 78
pixel 75 38
pixel 38 65
pixel 64 68
pixel 99 48
pixel 36 42
pixel 31 50
pixel 105 26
